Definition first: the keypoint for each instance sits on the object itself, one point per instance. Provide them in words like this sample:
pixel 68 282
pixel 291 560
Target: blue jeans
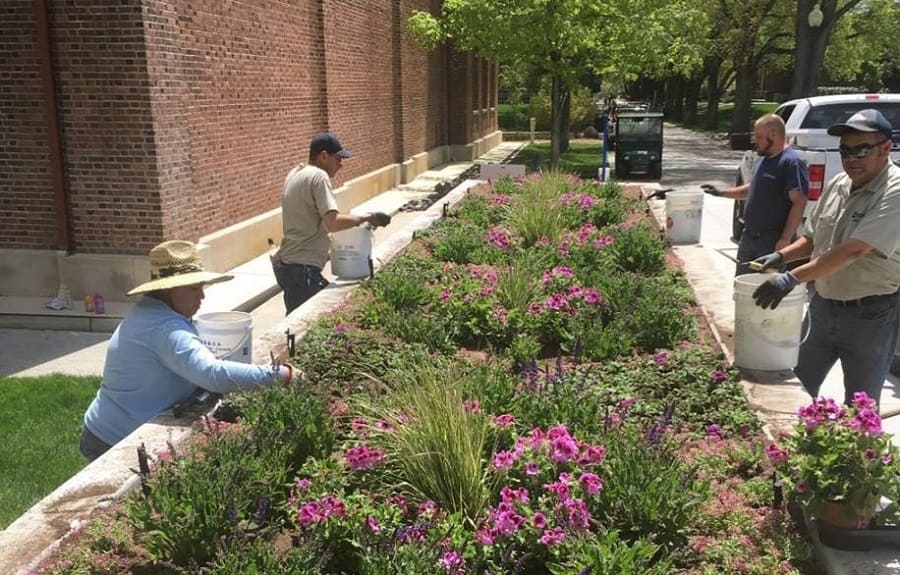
pixel 862 336
pixel 754 245
pixel 299 282
pixel 92 446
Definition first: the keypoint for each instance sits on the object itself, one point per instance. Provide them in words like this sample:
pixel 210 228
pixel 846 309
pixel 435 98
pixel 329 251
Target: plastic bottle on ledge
pixel 99 304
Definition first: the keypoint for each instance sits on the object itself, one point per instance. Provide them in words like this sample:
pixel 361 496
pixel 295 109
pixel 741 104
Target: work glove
pixel 379 219
pixel 711 190
pixel 770 293
pixel 772 260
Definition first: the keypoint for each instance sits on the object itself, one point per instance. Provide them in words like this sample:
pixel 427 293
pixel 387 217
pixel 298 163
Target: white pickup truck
pixel 806 122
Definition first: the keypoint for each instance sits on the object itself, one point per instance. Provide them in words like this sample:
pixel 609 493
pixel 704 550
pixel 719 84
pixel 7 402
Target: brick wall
pixel 26 194
pixel 181 118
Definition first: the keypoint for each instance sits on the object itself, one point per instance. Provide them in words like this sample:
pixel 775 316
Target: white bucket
pixel 766 339
pixel 228 334
pixel 351 251
pixel 684 214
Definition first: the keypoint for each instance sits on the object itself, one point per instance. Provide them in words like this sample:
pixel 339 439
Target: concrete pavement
pixel 690 160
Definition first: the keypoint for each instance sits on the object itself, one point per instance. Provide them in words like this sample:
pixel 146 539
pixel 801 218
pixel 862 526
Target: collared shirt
pixel 769 201
pixel 870 214
pixel 154 360
pixel 306 197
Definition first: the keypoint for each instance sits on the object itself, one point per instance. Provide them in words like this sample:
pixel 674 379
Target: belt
pixel 868 300
pixel 759 233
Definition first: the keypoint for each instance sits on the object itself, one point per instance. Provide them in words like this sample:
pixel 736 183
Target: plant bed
pixel 517 393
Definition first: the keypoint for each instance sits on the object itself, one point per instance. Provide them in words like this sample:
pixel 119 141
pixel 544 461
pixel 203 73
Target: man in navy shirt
pixel 776 194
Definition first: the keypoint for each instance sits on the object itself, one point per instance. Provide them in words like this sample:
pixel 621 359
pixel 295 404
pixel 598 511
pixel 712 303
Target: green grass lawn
pixel 581 158
pixel 40 423
pixel 757 109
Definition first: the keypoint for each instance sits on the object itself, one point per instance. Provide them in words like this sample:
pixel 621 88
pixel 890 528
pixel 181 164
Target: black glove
pixel 772 260
pixel 711 190
pixel 379 219
pixel 770 294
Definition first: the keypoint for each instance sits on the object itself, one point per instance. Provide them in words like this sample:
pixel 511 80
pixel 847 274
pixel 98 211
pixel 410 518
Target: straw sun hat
pixel 176 263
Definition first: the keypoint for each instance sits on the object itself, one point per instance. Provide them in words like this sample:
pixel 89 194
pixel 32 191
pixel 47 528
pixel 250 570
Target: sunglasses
pixel 859 152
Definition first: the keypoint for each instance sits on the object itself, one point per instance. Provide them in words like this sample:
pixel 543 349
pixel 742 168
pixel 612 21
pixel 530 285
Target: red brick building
pixel 125 123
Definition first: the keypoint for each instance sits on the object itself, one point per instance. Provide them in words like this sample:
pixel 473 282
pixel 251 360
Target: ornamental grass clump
pixel 839 454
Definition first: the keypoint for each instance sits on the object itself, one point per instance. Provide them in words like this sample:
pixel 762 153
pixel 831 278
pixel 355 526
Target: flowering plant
pixel 839 454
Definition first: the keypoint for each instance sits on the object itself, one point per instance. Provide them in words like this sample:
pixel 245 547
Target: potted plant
pixel 838 463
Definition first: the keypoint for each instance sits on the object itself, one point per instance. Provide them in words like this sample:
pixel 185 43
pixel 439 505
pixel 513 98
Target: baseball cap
pixel 868 120
pixel 328 142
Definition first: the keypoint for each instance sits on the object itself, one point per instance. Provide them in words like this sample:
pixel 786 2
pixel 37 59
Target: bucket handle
pixel 807 315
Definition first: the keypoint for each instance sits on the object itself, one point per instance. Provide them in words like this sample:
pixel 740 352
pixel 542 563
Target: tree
pixel 565 38
pixel 811 41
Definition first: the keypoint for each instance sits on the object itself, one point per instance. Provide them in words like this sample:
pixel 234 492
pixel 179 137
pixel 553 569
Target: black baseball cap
pixel 868 120
pixel 328 142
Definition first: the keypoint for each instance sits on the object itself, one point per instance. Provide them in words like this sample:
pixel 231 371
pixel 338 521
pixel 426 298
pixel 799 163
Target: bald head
pixel 768 133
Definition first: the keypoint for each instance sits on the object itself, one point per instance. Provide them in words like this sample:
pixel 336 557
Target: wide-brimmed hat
pixel 174 264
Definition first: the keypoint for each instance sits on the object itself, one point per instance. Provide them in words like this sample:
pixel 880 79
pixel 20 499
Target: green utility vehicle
pixel 639 144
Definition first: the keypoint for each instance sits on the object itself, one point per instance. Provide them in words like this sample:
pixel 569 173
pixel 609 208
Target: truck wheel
pixel 737 225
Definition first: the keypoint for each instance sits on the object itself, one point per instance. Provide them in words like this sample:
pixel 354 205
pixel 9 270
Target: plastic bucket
pixel 228 334
pixel 767 339
pixel 351 251
pixel 684 214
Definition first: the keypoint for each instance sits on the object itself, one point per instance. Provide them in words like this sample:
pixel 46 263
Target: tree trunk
pixel 691 97
pixel 743 94
pixel 556 121
pixel 566 129
pixel 675 98
pixel 810 43
pixel 713 65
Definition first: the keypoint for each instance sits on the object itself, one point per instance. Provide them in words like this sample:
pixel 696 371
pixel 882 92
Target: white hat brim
pixel 191 278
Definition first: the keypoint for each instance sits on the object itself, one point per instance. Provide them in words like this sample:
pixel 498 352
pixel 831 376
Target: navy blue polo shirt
pixel 769 201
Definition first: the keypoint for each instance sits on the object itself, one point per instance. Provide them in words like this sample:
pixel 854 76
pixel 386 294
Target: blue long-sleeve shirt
pixel 154 360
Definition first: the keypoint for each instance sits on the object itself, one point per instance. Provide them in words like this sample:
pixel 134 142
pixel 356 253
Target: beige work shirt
pixel 870 214
pixel 306 197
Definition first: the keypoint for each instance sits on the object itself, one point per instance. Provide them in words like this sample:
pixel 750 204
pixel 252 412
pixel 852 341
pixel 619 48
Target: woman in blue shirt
pixel 155 357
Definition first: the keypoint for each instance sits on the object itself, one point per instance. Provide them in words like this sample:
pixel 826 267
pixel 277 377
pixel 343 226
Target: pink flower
pixel 861 400
pixel 302 485
pixel 714 431
pixel 445 296
pixel 504 460
pixel 593 454
pixel 719 376
pixel 363 457
pixel 372 524
pixel 867 422
pixel 452 562
pixel 484 536
pixel 661 358
pixel 592 297
pixel 603 241
pixel 471 406
pixel 532 468
pixel 800 487
pixel 504 420
pixel 591 483
pixel 578 515
pixel 552 537
pixel 563 449
pixel 427 508
pixel 499 238
pixel 539 520
pixel 501 200
pixel 775 454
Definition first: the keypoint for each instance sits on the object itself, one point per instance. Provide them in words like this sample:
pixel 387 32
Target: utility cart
pixel 639 144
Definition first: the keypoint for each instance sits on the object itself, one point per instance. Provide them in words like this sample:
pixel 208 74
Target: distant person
pixel 309 212
pixel 775 195
pixel 155 357
pixel 852 237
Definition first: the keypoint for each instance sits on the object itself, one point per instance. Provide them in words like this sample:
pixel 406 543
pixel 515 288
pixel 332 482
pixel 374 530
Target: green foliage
pixel 610 555
pixel 40 427
pixel 259 557
pixel 215 494
pixel 435 447
pixel 650 493
pixel 639 249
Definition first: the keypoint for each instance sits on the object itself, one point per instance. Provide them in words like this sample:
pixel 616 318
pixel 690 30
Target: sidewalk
pixel 774 395
pixel 35 340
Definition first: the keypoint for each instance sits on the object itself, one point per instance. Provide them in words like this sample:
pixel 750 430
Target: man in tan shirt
pixel 852 238
pixel 309 212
